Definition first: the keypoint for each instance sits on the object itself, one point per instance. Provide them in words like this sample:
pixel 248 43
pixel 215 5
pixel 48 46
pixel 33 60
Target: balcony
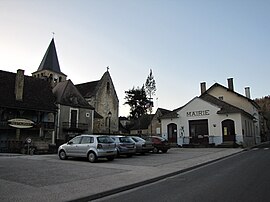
pixel 68 126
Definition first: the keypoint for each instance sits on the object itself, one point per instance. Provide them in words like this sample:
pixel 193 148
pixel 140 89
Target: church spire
pixel 49 67
pixel 50 59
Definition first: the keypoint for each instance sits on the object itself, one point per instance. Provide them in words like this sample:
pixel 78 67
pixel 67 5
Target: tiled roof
pixel 225 108
pixel 67 94
pixel 164 111
pixel 219 85
pixel 37 93
pixel 143 122
pixel 171 114
pixel 88 89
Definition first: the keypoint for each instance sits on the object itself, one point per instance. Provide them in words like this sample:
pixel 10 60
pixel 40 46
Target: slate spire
pixel 50 59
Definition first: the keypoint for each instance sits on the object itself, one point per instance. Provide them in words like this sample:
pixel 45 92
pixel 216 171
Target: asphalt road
pixel 243 177
pixel 45 178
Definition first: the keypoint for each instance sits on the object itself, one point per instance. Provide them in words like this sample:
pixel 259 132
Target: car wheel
pixel 155 150
pixel 92 157
pixel 110 158
pixel 62 155
pixel 164 151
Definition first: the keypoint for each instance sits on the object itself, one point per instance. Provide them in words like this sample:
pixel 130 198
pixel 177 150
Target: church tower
pixel 49 68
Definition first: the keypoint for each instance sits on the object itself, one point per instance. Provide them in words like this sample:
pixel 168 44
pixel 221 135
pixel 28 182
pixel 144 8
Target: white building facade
pixel 217 117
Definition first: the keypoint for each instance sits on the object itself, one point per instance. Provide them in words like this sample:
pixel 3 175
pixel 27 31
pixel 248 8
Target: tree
pixel 138 102
pixel 150 89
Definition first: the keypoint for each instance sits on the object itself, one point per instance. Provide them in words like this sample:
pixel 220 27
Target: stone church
pixel 49 109
pixel 100 95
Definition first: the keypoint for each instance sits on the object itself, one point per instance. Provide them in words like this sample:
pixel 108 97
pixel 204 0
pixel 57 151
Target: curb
pixel 149 181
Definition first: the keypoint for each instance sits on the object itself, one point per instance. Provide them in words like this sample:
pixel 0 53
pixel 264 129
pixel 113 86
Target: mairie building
pixel 219 116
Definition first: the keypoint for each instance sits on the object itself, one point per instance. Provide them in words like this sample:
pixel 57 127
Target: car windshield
pixel 125 140
pixel 105 139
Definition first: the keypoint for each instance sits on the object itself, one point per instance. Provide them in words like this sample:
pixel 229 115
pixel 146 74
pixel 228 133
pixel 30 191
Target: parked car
pixel 124 145
pixel 90 146
pixel 142 146
pixel 159 143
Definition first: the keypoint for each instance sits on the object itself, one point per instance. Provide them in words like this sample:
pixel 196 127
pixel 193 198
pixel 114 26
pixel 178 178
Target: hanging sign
pixel 21 123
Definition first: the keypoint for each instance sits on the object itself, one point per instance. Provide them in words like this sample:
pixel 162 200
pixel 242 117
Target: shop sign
pixel 21 123
pixel 198 113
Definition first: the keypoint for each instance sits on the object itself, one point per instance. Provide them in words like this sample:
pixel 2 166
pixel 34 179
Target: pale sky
pixel 184 42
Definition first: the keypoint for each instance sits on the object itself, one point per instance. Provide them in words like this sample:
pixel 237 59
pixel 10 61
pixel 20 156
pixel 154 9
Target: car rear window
pixel 125 140
pixel 105 139
pixel 138 139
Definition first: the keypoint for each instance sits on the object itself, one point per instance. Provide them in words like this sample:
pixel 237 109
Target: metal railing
pixel 74 126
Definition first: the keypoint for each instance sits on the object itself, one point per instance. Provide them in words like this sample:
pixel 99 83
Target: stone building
pixel 102 96
pixel 99 95
pixel 75 115
pixel 51 109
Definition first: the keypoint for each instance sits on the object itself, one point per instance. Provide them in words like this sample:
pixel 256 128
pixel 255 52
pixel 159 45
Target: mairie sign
pixel 21 123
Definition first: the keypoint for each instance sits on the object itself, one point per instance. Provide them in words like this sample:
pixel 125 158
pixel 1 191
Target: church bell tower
pixel 49 68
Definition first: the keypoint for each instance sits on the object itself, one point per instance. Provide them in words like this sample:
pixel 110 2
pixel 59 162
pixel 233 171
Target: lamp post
pixel 109 116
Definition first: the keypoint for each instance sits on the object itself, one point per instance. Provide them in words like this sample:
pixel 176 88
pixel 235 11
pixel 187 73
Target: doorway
pixel 228 130
pixel 198 131
pixel 172 133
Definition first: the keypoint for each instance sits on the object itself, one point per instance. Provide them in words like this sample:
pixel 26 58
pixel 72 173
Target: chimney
pixel 230 84
pixel 203 87
pixel 247 91
pixel 19 84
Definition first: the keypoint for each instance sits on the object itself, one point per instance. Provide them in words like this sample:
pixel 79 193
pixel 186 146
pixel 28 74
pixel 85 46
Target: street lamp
pixel 109 116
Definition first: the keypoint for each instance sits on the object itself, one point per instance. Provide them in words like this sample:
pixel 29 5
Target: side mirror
pixel 70 142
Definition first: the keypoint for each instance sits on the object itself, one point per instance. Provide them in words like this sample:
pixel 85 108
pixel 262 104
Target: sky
pixel 184 42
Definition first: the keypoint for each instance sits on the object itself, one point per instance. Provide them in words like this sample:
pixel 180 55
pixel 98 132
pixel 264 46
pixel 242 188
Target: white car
pixel 90 146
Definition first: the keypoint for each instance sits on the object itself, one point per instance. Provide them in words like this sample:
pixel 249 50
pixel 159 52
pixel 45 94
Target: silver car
pixel 142 146
pixel 124 145
pixel 90 146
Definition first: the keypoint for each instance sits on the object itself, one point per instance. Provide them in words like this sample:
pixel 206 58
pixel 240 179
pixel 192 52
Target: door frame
pixel 172 132
pixel 228 130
